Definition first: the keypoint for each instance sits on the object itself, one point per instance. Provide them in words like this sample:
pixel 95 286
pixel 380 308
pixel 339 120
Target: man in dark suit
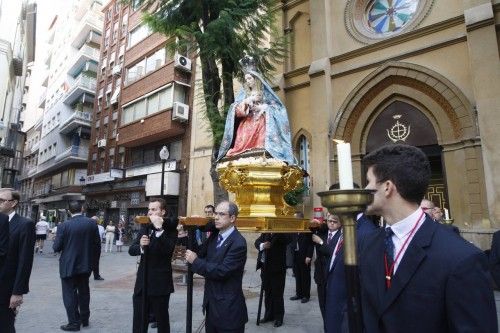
pixel 416 276
pixel 336 287
pixel 160 237
pixel 4 238
pixel 494 259
pixel 221 261
pixel 76 239
pixel 271 261
pixel 16 271
pixel 325 240
pixel 303 252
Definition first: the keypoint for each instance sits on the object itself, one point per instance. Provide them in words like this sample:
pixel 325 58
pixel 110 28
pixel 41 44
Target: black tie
pixel 389 247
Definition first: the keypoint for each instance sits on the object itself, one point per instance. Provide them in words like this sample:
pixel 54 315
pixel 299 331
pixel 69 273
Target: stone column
pixel 320 95
pixel 485 71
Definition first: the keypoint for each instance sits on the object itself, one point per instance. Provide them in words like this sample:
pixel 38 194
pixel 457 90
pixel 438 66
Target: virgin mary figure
pixel 256 120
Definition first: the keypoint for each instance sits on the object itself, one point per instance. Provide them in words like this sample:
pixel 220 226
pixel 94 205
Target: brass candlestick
pixel 448 221
pixel 346 204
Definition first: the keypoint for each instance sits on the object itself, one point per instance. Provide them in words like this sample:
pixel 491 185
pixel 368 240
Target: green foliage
pixel 295 197
pixel 220 33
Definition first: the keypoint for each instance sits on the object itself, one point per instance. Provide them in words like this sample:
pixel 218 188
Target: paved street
pixel 111 299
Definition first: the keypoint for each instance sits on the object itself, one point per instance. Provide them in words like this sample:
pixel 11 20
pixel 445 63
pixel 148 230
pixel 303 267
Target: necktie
pixel 330 236
pixel 219 241
pixel 389 247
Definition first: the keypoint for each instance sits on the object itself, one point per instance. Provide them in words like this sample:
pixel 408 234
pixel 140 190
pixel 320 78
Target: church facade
pixel 372 72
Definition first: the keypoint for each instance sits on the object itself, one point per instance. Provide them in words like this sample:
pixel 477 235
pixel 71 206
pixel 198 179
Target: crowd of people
pixel 416 275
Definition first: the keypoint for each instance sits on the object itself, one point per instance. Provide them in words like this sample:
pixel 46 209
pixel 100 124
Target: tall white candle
pixel 446 214
pixel 345 165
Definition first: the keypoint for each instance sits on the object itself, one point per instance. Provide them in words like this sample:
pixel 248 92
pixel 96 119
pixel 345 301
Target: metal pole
pixel 145 312
pixel 352 274
pixel 189 302
pixel 162 177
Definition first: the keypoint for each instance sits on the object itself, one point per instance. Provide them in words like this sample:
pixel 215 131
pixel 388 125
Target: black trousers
pixel 302 276
pixel 158 305
pixel 210 328
pixel 322 300
pixel 95 261
pixel 76 298
pixel 274 287
pixel 7 318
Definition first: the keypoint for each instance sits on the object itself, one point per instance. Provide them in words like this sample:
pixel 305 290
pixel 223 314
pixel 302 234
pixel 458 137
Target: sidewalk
pixel 111 300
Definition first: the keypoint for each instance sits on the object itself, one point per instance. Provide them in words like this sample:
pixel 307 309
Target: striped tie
pixel 219 241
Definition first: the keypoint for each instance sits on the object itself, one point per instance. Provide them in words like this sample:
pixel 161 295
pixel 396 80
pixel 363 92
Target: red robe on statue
pixel 251 131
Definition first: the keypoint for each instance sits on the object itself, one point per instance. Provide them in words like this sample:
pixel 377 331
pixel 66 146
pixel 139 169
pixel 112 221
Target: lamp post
pixel 164 157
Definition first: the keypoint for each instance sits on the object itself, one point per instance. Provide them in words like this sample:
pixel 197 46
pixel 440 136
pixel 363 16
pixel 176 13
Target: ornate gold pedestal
pixel 260 185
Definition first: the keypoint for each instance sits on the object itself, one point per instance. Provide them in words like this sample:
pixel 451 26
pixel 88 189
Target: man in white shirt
pixel 416 276
pixel 41 234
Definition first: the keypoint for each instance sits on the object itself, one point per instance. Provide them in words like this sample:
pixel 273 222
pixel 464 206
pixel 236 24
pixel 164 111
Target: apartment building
pixel 17 49
pixel 72 62
pixel 143 103
pixel 30 163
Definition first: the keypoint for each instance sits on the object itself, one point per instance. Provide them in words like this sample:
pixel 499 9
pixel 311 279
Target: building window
pixel 138 34
pixel 136 4
pixel 303 148
pixel 153 103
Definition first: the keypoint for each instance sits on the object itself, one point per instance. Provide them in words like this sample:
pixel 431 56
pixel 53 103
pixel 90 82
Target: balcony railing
pixel 73 151
pixel 85 54
pixel 77 119
pixel 82 84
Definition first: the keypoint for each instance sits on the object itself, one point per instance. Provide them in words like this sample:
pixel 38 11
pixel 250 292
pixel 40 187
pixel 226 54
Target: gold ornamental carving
pixel 259 185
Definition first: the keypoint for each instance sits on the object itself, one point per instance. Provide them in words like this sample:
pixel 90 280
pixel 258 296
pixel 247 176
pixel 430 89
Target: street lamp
pixel 164 157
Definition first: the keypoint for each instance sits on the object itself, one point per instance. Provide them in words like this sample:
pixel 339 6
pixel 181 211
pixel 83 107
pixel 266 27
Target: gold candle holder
pixel 346 204
pixel 448 221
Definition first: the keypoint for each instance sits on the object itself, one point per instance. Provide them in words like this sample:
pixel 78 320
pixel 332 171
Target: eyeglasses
pixel 220 214
pixel 426 208
pixel 333 221
pixel 4 200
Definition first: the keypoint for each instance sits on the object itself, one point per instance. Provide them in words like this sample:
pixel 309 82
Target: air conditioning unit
pixel 183 63
pixel 101 143
pixel 117 70
pixel 180 112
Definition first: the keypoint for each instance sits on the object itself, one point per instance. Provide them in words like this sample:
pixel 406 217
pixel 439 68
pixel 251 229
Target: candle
pixel 345 165
pixel 446 214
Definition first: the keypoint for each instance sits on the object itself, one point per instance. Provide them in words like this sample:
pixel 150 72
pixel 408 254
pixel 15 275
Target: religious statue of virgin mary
pixel 257 120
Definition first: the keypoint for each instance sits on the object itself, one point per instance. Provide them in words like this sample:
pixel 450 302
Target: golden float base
pixel 259 184
pixel 258 224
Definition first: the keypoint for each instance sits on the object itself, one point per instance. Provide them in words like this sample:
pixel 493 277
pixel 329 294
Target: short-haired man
pixel 97 251
pixel 41 227
pixel 416 276
pixel 428 207
pixel 209 210
pixel 16 271
pixel 160 237
pixel 76 239
pixel 221 261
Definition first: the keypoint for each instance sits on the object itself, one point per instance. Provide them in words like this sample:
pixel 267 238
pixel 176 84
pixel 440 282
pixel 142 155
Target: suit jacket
pixel 336 288
pixel 159 267
pixel 305 244
pixel 275 257
pixel 324 254
pixel 16 271
pixel 76 239
pixel 440 285
pixel 495 258
pixel 4 238
pixel 223 271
